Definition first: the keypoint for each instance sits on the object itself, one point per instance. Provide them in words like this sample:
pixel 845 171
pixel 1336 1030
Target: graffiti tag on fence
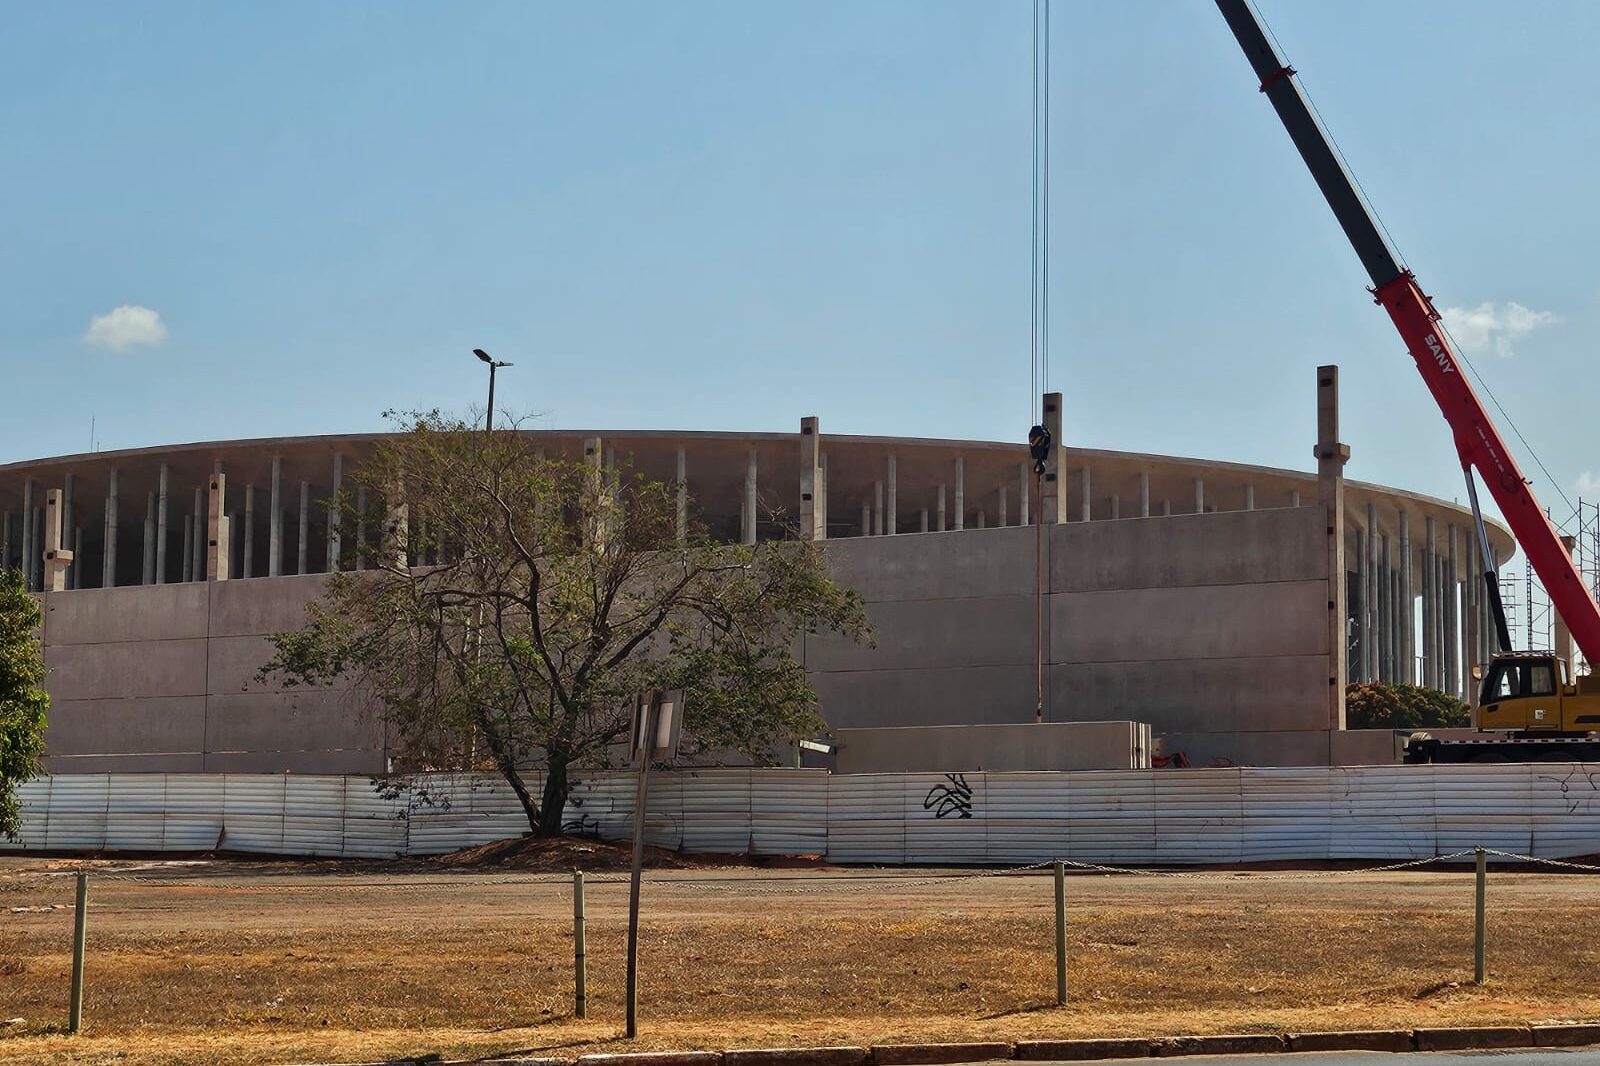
pixel 952 798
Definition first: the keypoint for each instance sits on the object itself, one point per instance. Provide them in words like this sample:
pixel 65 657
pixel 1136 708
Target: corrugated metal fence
pixel 1134 817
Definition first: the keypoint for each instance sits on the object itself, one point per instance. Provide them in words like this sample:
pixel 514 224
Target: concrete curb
pixel 1459 1038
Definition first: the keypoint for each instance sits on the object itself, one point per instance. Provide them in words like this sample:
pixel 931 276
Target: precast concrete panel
pixel 921 566
pixel 159 725
pixel 978 631
pixel 312 721
pixel 934 695
pixel 1197 622
pixel 127 669
pixel 1252 693
pixel 246 608
pixel 129 613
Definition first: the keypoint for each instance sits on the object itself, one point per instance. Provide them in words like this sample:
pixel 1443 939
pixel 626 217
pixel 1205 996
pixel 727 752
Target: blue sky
pixel 730 215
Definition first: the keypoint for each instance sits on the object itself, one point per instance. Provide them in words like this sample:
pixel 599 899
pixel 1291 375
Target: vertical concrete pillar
pixel 1053 494
pixel 1084 491
pixel 395 550
pixel 247 546
pixel 822 492
pixel 1294 498
pixel 1332 454
pixel 960 515
pixel 1166 508
pixel 1472 616
pixel 304 530
pixel 108 553
pixel 812 525
pixel 335 541
pixel 1199 495
pixel 1563 635
pixel 186 567
pixel 877 508
pixel 982 520
pixel 1430 606
pixel 56 559
pixel 1024 494
pixel 1408 606
pixel 1386 627
pixel 218 530
pixel 1362 671
pixel 275 521
pixel 77 553
pixel 942 519
pixel 69 525
pixel 681 487
pixel 866 518
pixel 28 551
pixel 1249 497
pixel 197 542
pixel 1116 507
pixel 148 571
pixel 38 556
pixel 748 526
pixel 1144 494
pixel 1452 613
pixel 5 541
pixel 891 516
pixel 361 527
pixel 922 520
pixel 1004 515
pixel 1370 595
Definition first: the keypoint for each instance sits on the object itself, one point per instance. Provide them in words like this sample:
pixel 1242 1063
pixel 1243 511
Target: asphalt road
pixel 1562 1057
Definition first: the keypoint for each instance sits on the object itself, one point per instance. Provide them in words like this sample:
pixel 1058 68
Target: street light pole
pixel 494 364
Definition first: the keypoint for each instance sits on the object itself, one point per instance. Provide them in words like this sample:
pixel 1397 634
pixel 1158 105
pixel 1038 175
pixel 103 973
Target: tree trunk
pixel 553 804
pixel 529 809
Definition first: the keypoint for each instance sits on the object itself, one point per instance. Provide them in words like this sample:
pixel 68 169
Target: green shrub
pixel 1380 705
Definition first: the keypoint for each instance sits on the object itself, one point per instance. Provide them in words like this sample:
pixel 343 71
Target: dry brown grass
pixel 270 966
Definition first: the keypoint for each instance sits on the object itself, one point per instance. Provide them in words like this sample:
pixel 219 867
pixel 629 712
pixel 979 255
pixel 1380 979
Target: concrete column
pixel 1430 607
pixel 1331 456
pixel 334 517
pixel 681 487
pixel 77 553
pixel 247 547
pixel 38 556
pixel 1004 515
pixel 961 493
pixel 186 567
pixel 1053 494
pixel 1084 489
pixel 982 520
pixel 197 543
pixel 275 522
pixel 1362 670
pixel 1386 626
pixel 218 530
pixel 1116 507
pixel 5 541
pixel 813 525
pixel 1144 494
pixel 305 527
pixel 1452 614
pixel 148 562
pixel 748 526
pixel 28 552
pixel 1024 494
pixel 822 492
pixel 877 508
pixel 1408 607
pixel 361 526
pixel 922 520
pixel 891 518
pixel 1166 508
pixel 396 552
pixel 866 518
pixel 1294 498
pixel 69 525
pixel 56 559
pixel 1249 497
pixel 942 525
pixel 1199 495
pixel 1370 595
pixel 1563 635
pixel 1472 616
pixel 108 551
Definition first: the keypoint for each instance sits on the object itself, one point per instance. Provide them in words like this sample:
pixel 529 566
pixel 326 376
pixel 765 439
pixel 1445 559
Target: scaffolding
pixel 1529 613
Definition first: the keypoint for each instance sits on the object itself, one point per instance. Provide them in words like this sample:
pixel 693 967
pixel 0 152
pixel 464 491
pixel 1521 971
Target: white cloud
pixel 128 326
pixel 1589 485
pixel 1492 327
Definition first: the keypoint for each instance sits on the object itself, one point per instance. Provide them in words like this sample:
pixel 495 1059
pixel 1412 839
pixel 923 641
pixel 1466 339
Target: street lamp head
pixel 481 354
pixel 502 362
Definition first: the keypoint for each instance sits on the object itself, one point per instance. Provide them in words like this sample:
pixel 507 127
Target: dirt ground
pixel 257 962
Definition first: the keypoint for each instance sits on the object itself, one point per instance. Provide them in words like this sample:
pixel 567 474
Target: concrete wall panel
pixel 242 608
pixel 129 669
pixel 290 723
pixel 303 762
pixel 145 612
pixel 1288 748
pixel 1199 622
pixel 982 695
pixel 1060 746
pixel 1195 695
pixel 160 725
pixel 988 631
pixel 124 764
pixel 924 566
pixel 1223 548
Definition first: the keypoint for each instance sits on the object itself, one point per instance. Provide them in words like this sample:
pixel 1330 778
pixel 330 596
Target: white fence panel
pixel 1199 816
pixel 866 818
pixel 313 815
pixel 453 811
pixel 716 810
pixel 601 806
pixel 374 827
pixel 1483 805
pixel 192 818
pixel 1111 816
pixel 78 805
pixel 252 812
pixel 1286 813
pixel 1382 812
pixel 946 818
pixel 789 812
pixel 33 808
pixel 1564 805
pixel 1026 817
pixel 135 811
